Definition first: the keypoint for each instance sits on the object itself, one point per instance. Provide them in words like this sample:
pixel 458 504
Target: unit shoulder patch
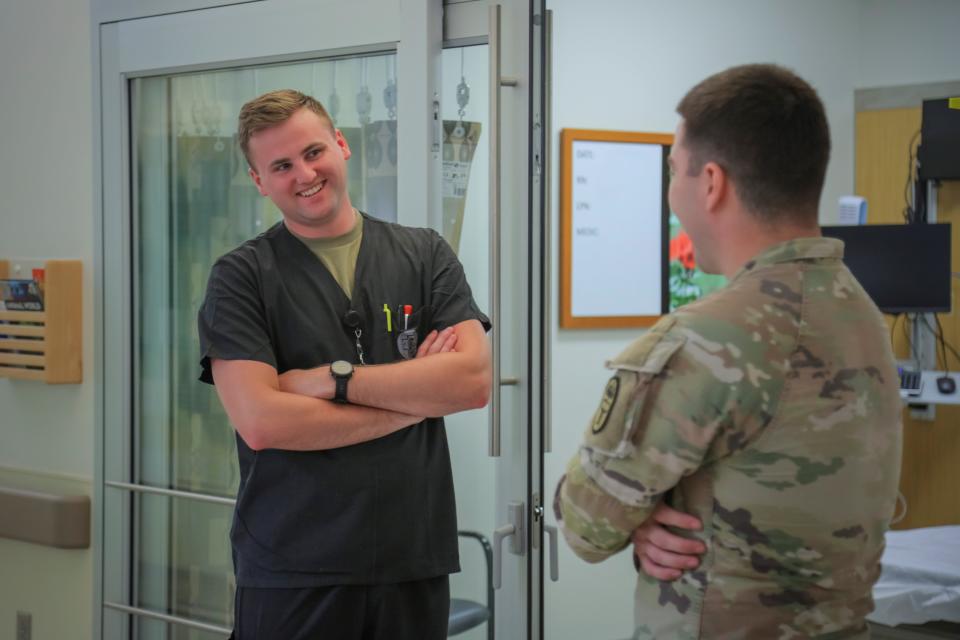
pixel 602 415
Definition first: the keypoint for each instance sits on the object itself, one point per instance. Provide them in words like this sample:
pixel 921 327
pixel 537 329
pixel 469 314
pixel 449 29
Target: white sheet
pixel 920 581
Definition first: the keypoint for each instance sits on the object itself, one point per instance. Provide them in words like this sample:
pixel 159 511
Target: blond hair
pixel 271 109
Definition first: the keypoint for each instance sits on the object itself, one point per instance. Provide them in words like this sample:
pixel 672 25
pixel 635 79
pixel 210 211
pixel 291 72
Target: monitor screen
pixel 903 267
pixel 937 156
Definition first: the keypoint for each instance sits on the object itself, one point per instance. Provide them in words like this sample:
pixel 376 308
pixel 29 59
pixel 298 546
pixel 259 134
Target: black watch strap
pixel 341 370
pixel 340 395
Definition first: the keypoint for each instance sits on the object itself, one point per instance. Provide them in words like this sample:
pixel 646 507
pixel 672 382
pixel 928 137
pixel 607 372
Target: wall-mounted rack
pixel 46 345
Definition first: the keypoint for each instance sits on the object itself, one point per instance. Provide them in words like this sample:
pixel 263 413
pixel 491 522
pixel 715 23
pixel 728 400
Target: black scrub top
pixel 373 513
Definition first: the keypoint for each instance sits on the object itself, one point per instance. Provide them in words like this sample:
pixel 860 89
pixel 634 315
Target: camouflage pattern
pixel 771 411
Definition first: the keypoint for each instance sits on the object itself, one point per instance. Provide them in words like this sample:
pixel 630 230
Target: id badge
pixel 407 343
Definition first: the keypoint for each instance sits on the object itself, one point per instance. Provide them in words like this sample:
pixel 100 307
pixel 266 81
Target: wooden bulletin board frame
pixel 567 161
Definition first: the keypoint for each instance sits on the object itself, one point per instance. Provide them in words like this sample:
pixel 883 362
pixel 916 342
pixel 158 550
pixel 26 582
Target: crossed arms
pixel 295 411
pixel 451 373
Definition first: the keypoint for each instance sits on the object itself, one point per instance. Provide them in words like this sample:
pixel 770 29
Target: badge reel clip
pixel 352 320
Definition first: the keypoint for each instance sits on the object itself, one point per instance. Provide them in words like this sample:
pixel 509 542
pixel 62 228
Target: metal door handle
pixel 554 555
pixel 513 530
pixel 496 81
pixel 506 531
pixel 494 48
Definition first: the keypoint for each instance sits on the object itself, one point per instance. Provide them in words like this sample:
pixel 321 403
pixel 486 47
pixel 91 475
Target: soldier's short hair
pixel 271 109
pixel 766 127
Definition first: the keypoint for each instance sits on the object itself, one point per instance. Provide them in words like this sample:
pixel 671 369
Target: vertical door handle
pixel 554 555
pixel 515 531
pixel 494 49
pixel 496 81
pixel 506 531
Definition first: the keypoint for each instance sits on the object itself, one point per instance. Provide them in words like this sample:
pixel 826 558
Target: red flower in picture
pixel 681 248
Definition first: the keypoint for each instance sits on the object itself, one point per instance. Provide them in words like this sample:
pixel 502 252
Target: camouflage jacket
pixel 771 411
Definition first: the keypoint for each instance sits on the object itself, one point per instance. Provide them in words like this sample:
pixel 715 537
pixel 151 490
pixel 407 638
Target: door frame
pixel 416 35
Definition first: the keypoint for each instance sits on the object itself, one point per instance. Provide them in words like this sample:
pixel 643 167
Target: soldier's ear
pixel 716 186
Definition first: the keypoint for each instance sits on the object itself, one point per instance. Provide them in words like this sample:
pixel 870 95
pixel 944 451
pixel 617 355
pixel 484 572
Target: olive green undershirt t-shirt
pixel 338 255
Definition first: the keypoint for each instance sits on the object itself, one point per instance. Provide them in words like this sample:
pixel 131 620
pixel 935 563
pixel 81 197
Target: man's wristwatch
pixel 341 370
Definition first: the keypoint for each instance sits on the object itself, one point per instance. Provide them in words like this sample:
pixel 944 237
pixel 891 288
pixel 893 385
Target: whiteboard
pixel 614 209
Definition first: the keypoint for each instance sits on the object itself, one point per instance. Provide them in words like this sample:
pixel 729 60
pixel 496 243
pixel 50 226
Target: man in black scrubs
pixel 335 342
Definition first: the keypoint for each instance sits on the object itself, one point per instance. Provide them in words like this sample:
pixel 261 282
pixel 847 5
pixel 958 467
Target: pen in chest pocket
pixel 406 335
pixel 404 311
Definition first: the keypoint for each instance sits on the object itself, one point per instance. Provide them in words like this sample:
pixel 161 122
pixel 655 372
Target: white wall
pixel 908 42
pixel 624 65
pixel 46 177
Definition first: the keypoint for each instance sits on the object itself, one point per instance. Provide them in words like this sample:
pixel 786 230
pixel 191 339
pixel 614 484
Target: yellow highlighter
pixel 386 310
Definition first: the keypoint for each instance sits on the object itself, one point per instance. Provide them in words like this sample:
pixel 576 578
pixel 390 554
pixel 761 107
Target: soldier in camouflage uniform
pixel 769 410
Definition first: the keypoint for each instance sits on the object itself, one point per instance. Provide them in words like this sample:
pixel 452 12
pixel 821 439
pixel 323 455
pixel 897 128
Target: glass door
pixel 193 202
pixel 176 197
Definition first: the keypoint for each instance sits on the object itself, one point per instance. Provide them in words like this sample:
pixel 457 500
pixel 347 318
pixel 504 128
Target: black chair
pixel 467 614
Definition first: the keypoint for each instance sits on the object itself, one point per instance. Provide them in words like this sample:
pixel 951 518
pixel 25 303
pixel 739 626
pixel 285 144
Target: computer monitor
pixel 937 157
pixel 905 268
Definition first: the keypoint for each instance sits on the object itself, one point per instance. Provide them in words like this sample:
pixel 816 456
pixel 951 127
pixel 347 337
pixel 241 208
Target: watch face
pixel 341 368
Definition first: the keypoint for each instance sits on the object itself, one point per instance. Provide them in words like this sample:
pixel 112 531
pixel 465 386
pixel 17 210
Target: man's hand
pixel 438 342
pixel 664 555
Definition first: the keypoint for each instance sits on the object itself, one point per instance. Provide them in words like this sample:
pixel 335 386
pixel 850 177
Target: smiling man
pixel 749 443
pixel 335 340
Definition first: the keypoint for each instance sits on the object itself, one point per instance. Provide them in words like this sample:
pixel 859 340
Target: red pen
pixel 407 310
